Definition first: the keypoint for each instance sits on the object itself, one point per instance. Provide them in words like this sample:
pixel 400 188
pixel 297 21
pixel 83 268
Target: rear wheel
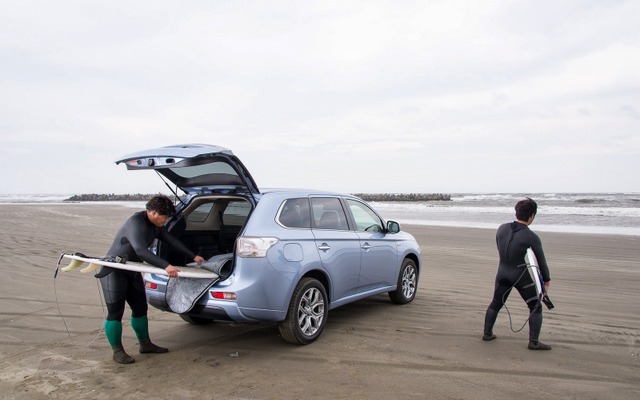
pixel 196 320
pixel 407 283
pixel 307 313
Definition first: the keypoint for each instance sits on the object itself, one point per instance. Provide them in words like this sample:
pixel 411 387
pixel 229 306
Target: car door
pixel 195 168
pixel 379 253
pixel 338 246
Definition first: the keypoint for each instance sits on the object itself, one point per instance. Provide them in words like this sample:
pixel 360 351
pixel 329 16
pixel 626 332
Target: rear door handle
pixel 365 246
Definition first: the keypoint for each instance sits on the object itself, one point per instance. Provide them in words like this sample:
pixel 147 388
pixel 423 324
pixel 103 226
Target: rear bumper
pixel 217 309
pixel 224 310
pixel 199 310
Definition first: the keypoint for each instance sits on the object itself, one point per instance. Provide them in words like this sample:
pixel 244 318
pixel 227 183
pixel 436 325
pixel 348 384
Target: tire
pixel 307 313
pixel 407 283
pixel 196 320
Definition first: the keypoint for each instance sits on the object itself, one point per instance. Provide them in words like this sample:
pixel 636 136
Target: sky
pixel 359 97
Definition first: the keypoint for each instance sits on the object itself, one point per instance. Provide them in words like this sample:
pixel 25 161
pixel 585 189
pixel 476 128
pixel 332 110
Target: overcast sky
pixel 367 96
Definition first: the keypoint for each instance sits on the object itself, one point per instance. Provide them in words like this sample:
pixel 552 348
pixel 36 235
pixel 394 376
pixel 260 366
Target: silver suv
pixel 292 254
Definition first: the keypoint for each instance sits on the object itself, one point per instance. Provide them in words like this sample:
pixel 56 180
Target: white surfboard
pixel 94 263
pixel 534 270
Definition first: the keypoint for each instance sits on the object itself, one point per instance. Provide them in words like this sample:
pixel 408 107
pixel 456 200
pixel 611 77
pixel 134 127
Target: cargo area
pixel 209 226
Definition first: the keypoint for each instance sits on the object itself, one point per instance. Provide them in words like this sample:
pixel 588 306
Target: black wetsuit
pixel 512 240
pixel 132 241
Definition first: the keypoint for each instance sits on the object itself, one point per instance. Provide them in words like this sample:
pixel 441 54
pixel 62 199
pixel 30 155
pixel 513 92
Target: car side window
pixel 236 212
pixel 366 219
pixel 201 213
pixel 327 213
pixel 294 213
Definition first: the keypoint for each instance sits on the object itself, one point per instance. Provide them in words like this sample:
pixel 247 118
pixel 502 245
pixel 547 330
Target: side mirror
pixel 393 227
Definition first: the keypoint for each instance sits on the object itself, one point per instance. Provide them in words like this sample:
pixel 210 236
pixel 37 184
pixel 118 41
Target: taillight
pixel 253 247
pixel 224 295
pixel 150 285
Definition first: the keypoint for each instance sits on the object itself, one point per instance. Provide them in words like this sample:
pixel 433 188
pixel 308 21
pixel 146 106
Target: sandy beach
pixel 52 345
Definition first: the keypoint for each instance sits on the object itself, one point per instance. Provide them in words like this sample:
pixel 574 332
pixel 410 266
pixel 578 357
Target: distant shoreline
pixel 363 196
pixel 404 196
pixel 109 197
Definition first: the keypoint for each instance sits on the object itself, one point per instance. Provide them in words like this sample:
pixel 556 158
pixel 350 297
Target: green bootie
pixel 113 330
pixel 140 326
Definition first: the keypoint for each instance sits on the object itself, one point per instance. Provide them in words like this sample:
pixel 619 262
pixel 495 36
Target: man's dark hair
pixel 162 205
pixel 525 209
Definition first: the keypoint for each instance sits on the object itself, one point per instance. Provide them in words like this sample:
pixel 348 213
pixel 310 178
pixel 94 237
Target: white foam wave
pixel 602 230
pixel 622 212
pixel 32 198
pixel 429 208
pixel 483 197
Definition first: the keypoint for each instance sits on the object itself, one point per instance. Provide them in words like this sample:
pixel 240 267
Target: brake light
pixel 150 285
pixel 253 247
pixel 224 295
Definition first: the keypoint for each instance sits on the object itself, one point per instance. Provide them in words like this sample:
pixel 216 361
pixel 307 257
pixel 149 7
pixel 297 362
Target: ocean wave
pixel 621 212
pixel 423 208
pixel 583 229
pixel 32 198
pixel 484 197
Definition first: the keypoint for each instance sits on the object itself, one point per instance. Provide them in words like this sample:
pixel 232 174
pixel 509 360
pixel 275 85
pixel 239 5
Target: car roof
pixel 305 192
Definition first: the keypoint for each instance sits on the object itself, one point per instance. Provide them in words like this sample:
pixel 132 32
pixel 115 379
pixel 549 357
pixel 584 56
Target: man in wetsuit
pixel 512 240
pixel 119 286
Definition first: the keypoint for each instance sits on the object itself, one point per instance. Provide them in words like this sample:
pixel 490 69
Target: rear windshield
pixel 204 169
pixel 212 173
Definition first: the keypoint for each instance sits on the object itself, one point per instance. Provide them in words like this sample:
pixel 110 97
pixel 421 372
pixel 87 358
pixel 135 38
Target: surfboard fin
pixel 72 265
pixel 90 268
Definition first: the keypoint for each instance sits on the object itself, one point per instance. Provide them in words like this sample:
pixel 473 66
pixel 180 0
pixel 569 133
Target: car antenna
pixel 172 191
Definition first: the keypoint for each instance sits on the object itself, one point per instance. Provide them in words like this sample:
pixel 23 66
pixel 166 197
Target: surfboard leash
pixel 55 291
pixel 504 303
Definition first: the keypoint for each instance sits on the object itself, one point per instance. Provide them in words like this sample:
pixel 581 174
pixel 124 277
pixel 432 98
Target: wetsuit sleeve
pixel 536 245
pixel 174 242
pixel 503 238
pixel 136 236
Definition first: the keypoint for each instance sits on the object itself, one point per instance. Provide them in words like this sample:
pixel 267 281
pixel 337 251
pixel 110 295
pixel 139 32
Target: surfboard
pixel 94 263
pixel 534 271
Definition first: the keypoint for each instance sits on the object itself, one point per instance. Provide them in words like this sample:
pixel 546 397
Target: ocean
pixel 601 213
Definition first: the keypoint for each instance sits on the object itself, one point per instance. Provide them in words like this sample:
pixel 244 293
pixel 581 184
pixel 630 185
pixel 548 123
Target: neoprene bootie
pixel 140 326
pixel 538 346
pixel 147 347
pixel 113 330
pixel 489 320
pixel 121 357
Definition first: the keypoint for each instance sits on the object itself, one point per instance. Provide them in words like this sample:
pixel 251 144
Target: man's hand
pixel 198 260
pixel 172 271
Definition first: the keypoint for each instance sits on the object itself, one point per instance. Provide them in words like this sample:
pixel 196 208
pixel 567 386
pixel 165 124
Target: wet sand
pixel 52 345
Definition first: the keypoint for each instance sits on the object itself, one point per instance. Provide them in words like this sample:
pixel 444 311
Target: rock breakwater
pixel 110 197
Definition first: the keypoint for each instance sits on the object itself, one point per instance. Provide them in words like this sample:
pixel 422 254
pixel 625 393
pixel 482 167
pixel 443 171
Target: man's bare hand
pixel 172 271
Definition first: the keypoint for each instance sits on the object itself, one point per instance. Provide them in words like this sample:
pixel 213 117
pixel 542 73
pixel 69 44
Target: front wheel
pixel 307 313
pixel 407 283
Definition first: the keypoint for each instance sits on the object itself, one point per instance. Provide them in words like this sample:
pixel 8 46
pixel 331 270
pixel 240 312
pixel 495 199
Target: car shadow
pixel 246 337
